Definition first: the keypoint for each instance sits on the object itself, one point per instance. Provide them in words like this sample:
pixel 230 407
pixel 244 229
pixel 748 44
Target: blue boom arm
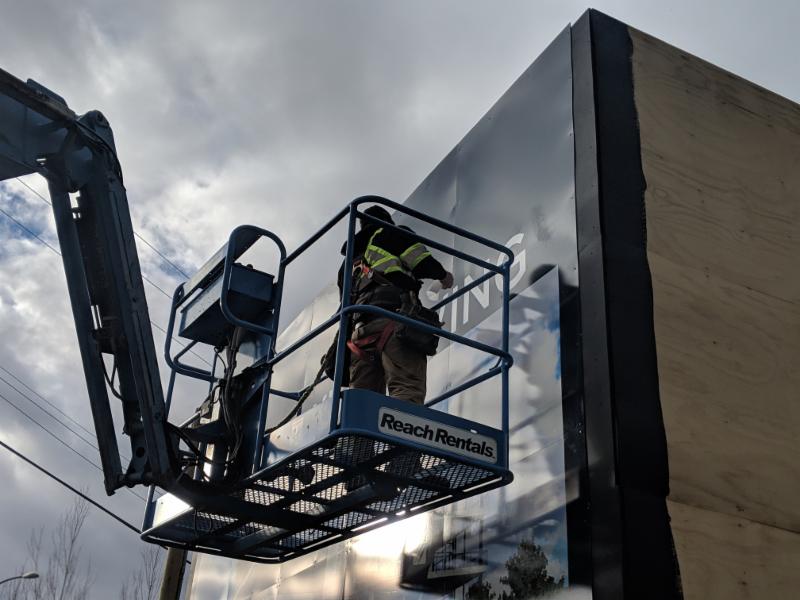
pixel 39 133
pixel 237 487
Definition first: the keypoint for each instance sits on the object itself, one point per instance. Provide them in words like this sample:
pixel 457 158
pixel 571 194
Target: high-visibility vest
pixel 384 262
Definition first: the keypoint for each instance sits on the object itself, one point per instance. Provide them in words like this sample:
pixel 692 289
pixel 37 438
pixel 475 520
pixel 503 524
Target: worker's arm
pixel 422 264
pixel 429 268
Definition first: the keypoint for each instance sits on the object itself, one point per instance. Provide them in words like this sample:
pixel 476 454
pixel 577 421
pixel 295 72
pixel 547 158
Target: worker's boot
pixel 304 474
pixel 407 466
pixel 353 452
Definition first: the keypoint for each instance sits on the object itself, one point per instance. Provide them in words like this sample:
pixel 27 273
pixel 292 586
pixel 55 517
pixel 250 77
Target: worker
pixel 388 268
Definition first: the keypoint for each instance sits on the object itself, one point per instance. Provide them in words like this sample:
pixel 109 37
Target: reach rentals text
pixel 431 433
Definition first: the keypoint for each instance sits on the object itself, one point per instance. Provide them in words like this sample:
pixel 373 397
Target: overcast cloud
pixel 272 113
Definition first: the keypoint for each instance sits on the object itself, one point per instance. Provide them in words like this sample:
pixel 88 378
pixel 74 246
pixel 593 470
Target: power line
pixel 151 246
pixel 74 490
pixel 30 389
pixel 71 488
pixel 61 441
pixel 50 433
pixel 143 277
pixel 30 232
pixel 154 249
pixel 167 294
pixel 48 413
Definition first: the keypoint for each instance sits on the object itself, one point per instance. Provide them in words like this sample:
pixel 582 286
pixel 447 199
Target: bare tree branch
pixel 63 574
pixel 143 583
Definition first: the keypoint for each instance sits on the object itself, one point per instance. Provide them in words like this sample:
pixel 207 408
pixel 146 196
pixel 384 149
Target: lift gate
pixel 352 462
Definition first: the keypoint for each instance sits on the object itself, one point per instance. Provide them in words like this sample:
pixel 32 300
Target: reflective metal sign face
pixel 511 179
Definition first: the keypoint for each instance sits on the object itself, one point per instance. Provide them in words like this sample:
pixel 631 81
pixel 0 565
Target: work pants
pixel 400 369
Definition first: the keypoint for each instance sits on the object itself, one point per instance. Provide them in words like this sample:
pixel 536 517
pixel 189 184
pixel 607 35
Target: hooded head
pixel 378 212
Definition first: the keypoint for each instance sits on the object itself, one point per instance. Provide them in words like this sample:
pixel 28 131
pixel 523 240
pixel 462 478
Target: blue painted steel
pixel 261 424
pixel 250 296
pixel 230 257
pixel 245 235
pixel 346 309
pixel 506 365
pixel 464 386
pixel 360 410
pixel 437 246
pixel 463 291
pixel 175 364
pixel 347 281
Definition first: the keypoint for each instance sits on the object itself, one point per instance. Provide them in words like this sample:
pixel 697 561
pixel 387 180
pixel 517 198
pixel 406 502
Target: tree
pixel 480 590
pixel 143 583
pixel 527 573
pixel 63 574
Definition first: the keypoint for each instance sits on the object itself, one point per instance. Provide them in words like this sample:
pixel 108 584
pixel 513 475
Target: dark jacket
pixel 395 242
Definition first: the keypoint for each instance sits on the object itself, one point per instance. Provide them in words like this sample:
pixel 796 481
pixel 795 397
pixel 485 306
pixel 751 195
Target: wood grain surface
pixel 721 157
pixel 736 559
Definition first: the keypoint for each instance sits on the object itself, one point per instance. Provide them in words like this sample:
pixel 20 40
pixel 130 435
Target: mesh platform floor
pixel 338 489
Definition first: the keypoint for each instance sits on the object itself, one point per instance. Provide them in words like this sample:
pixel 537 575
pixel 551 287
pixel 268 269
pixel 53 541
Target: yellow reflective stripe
pixel 393 269
pixel 388 264
pixel 372 238
pixel 419 259
pixel 376 257
pixel 379 251
pixel 411 249
pixel 385 259
pixel 382 260
pixel 375 249
pixel 414 255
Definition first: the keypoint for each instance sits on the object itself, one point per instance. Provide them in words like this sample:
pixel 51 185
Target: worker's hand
pixel 447 282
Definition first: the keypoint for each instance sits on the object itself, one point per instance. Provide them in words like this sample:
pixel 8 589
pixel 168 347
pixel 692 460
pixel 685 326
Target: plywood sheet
pixel 729 380
pixel 724 557
pixel 721 158
pixel 722 163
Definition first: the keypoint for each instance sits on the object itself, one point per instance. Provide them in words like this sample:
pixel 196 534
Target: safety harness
pixel 379 339
pixel 368 277
pixel 384 262
pixel 371 272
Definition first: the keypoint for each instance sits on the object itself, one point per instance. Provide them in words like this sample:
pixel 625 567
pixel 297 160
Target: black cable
pixel 148 244
pixel 179 342
pixel 222 360
pixel 143 278
pixel 51 434
pixel 70 488
pixel 52 405
pixel 51 415
pixel 196 451
pixel 230 413
pixel 164 292
pixel 168 261
pixel 47 412
pixel 29 231
pixel 60 441
pixel 110 381
pixel 303 397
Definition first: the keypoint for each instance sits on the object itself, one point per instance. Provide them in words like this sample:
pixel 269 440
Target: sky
pixel 271 113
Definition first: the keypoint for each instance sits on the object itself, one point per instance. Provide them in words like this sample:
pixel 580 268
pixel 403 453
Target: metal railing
pixel 346 309
pixel 352 213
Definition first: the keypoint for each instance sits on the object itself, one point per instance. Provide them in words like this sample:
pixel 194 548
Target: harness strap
pixel 379 339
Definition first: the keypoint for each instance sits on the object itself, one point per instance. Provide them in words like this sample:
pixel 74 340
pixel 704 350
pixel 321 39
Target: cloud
pixel 270 113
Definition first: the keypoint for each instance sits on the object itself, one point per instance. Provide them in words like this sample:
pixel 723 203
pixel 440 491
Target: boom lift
pixel 235 487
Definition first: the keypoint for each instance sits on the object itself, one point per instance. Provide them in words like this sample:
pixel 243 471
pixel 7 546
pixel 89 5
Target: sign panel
pixel 437 435
pixel 511 179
